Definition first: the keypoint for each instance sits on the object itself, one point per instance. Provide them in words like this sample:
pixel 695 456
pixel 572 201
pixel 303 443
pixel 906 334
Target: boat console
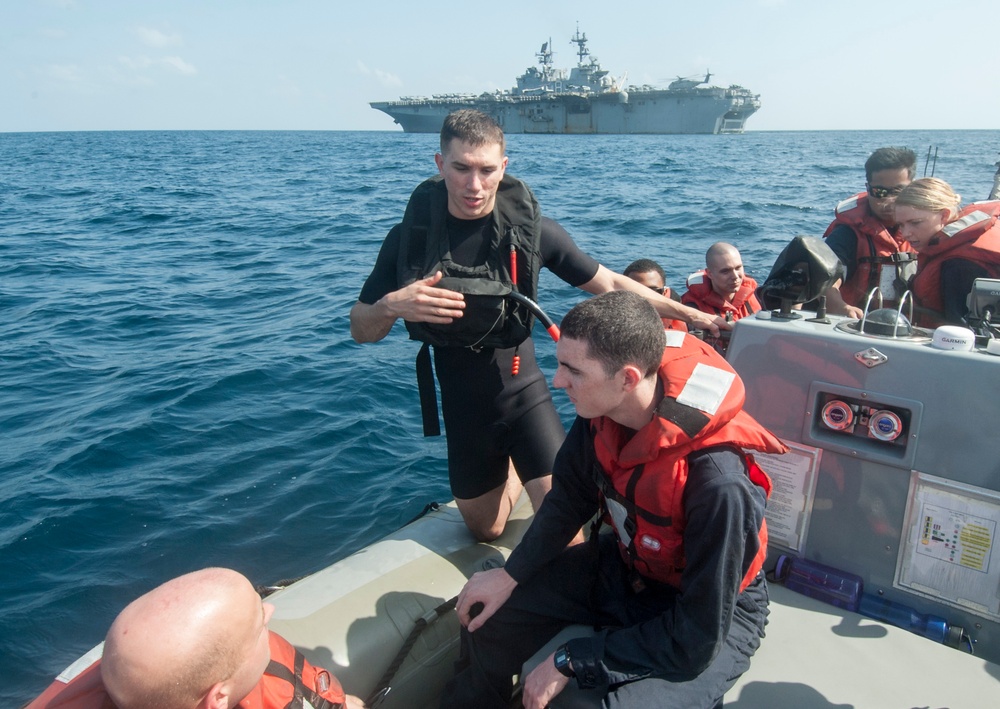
pixel 885 515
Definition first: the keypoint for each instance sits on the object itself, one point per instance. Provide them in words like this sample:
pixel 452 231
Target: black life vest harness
pixel 499 291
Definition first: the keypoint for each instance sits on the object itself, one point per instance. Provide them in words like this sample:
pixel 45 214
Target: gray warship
pixel 587 100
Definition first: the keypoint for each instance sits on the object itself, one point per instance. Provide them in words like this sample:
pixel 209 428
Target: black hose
pixel 537 311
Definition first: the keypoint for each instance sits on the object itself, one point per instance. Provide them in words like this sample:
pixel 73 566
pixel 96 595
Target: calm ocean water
pixel 178 386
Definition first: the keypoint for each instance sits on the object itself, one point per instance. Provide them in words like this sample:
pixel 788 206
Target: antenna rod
pixel 995 192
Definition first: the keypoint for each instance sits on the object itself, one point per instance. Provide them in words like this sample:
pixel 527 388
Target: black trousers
pixel 577 589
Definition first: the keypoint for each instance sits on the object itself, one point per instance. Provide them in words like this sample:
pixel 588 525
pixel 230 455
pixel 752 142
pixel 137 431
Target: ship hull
pixel 697 111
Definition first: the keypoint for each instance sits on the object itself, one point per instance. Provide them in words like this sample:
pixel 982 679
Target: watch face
pixel 561 661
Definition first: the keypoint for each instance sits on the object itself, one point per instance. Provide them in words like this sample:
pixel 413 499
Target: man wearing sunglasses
pixel 866 239
pixel 651 274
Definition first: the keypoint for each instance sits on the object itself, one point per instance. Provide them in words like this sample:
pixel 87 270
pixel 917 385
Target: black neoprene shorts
pixel 491 416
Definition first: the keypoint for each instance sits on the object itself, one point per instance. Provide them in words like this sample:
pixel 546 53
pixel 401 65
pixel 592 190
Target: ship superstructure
pixel 587 99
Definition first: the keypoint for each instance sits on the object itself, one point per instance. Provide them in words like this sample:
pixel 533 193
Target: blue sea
pixel 178 385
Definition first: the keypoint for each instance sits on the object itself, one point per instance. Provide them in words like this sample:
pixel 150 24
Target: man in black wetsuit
pixel 493 418
pixel 676 589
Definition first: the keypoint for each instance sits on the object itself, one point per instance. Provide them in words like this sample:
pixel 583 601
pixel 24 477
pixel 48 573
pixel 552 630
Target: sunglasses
pixel 658 289
pixel 883 192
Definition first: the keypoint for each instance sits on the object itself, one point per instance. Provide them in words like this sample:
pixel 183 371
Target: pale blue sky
pixel 315 65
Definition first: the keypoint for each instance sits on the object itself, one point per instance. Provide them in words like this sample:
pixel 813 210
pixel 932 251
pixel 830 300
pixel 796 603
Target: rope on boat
pixel 429 507
pixel 267 589
pixel 384 685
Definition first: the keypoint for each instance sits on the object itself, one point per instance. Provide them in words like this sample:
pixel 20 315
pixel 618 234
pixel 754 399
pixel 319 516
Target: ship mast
pixel 580 40
pixel 544 56
pixel 588 76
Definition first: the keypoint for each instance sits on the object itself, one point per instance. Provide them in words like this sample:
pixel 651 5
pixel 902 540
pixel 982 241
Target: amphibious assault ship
pixel 587 100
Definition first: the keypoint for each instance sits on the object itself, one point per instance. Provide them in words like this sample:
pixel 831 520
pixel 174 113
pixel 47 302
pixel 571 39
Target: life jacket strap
pixel 428 395
pixel 300 692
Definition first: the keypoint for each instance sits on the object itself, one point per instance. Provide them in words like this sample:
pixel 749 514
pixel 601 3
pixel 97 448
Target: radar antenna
pixel 928 160
pixel 544 56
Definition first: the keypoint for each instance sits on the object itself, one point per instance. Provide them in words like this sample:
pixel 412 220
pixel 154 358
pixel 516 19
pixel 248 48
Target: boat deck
pixel 817 655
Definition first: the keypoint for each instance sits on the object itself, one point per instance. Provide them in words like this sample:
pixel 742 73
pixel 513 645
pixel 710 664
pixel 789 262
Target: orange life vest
pixel 288 681
pixel 700 295
pixel 289 678
pixel 643 476
pixel 973 236
pixel 876 247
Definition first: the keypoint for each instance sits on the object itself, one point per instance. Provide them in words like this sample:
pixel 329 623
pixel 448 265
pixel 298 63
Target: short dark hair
pixel 891 159
pixel 620 328
pixel 645 265
pixel 473 127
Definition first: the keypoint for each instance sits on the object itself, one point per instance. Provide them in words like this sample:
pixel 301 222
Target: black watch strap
pixel 562 662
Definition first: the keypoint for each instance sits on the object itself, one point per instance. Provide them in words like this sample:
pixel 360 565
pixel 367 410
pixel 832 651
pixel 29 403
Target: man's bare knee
pixel 484 524
pixel 486 515
pixel 487 533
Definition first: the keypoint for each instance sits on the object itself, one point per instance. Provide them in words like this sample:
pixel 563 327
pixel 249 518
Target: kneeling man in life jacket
pixel 199 641
pixel 659 450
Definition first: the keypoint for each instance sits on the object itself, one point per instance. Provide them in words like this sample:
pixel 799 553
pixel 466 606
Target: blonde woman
pixel 955 246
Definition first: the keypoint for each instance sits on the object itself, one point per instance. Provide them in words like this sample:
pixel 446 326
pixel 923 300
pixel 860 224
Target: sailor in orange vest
pixel 723 288
pixel 866 239
pixel 651 274
pixel 199 641
pixel 660 447
pixel 956 247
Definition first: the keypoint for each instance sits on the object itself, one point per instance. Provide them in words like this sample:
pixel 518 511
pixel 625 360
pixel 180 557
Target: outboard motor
pixel 803 272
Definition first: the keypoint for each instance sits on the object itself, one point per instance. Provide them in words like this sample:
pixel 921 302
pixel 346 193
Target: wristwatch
pixel 562 662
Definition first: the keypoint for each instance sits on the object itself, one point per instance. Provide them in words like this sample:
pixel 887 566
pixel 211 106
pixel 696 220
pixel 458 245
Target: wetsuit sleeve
pixel 844 242
pixel 563 257
pixel 382 280
pixel 570 503
pixel 724 511
pixel 957 276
